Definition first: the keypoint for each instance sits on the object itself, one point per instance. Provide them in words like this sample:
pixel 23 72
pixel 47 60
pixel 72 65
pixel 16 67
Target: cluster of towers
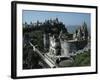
pixel 81 34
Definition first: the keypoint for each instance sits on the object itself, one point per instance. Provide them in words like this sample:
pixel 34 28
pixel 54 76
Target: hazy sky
pixel 68 18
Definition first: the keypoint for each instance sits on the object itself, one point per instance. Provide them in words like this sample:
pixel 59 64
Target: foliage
pixel 30 58
pixel 48 26
pixel 82 59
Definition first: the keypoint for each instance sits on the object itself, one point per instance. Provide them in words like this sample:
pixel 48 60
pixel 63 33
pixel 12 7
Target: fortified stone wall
pixel 72 46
